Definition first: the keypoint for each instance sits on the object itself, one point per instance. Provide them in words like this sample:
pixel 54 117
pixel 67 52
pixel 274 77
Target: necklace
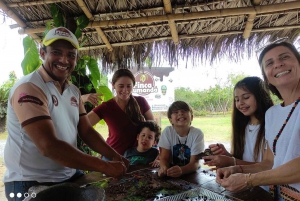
pixel 283 126
pixel 252 127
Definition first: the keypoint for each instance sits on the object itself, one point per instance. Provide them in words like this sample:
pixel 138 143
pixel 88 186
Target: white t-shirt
pixel 250 140
pixel 194 140
pixel 288 144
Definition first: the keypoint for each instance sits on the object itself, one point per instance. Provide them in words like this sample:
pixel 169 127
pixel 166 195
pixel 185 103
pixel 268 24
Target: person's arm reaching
pixel 42 133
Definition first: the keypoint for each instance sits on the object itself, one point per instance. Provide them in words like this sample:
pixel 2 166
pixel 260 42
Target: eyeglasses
pixel 280 40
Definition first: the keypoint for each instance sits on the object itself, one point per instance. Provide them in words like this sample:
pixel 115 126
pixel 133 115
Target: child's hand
pixel 219 149
pixel 155 163
pixel 174 171
pixel 162 171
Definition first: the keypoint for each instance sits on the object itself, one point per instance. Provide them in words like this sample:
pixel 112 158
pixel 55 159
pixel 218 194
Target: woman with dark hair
pixel 123 113
pixel 280 65
pixel 250 103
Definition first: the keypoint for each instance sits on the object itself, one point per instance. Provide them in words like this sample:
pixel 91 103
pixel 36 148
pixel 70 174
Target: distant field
pixel 216 128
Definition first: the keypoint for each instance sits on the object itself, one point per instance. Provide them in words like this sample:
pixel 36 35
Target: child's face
pixel 181 118
pixel 245 101
pixel 146 139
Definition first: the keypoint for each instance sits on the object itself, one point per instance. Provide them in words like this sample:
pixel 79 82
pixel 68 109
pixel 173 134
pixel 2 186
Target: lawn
pixel 216 128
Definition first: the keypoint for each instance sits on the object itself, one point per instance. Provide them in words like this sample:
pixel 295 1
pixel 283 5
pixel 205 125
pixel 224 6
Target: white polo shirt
pixel 35 97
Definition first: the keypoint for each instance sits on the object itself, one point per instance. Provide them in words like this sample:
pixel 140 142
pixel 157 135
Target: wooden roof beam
pixel 250 21
pixel 185 16
pixel 34 3
pixel 168 10
pixel 11 14
pixel 189 36
pixel 98 29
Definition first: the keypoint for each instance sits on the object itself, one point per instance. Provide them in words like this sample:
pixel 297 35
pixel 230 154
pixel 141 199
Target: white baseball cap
pixel 60 33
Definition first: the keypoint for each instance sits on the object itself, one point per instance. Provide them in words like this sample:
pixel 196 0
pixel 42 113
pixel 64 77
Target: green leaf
pixel 57 16
pixel 107 94
pixel 82 21
pixel 78 33
pixel 31 59
pixel 93 68
pixel 88 88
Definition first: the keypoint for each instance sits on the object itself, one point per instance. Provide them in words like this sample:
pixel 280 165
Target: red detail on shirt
pixel 121 131
pixel 54 100
pixel 74 101
pixel 30 99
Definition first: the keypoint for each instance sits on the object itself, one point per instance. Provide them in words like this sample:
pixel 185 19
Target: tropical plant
pixel 4 93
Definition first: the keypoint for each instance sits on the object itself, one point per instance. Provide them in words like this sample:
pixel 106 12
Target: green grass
pixel 216 128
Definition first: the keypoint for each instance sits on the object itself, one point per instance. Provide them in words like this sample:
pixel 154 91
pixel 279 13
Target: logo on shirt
pixel 74 102
pixel 24 98
pixel 54 100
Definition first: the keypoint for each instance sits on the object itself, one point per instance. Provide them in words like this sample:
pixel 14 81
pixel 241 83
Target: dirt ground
pixel 2 193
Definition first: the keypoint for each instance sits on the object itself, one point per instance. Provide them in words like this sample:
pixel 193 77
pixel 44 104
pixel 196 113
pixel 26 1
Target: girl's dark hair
pixel 179 105
pixel 153 126
pixel 132 109
pixel 256 86
pixel 291 47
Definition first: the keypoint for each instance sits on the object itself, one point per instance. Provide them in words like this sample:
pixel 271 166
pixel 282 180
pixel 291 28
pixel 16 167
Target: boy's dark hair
pixel 179 105
pixel 153 126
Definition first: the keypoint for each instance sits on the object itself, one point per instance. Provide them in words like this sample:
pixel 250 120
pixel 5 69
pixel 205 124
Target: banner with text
pixel 156 87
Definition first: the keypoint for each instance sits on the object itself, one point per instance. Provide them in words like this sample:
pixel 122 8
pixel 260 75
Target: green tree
pixel 4 93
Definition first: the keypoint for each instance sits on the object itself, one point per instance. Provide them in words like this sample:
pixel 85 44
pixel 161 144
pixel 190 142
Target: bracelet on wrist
pixel 234 161
pixel 248 183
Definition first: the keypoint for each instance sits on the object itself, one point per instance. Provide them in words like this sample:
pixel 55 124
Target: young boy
pixel 144 153
pixel 180 143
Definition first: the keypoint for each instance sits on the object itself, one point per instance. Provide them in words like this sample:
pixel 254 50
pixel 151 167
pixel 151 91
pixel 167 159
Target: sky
pixel 195 77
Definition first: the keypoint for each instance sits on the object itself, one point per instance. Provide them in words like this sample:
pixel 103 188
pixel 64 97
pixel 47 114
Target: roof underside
pixel 124 33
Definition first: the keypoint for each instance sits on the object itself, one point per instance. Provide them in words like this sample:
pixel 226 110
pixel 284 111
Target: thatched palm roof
pixel 126 32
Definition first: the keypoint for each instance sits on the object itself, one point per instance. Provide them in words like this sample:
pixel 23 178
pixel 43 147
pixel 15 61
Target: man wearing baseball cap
pixel 44 115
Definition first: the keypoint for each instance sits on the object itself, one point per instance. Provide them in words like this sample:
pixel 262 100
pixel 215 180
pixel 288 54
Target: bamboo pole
pixel 98 29
pixel 188 16
pixel 34 3
pixel 250 20
pixel 11 14
pixel 190 36
pixel 249 26
pixel 172 25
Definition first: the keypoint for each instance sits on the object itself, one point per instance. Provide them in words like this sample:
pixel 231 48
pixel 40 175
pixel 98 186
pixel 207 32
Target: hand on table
pixel 115 169
pixel 92 98
pixel 155 163
pixel 235 182
pixel 122 159
pixel 174 171
pixel 162 171
pixel 223 173
pixel 219 149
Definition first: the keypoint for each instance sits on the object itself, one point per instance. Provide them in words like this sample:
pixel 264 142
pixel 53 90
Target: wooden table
pixel 202 177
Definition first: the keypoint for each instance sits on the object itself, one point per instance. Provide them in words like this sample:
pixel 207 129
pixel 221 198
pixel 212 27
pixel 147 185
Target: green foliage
pixel 82 22
pixel 4 93
pixel 210 101
pixel 31 59
pixel 57 15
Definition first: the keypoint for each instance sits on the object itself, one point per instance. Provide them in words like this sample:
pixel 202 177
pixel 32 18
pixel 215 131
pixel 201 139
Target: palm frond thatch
pixel 124 33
